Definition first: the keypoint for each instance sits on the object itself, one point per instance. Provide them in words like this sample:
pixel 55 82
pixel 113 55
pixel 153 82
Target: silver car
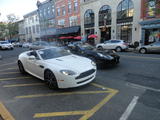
pixel 117 45
pixel 154 47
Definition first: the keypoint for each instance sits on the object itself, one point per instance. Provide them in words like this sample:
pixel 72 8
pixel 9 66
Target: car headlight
pixel 67 72
pixel 101 55
pixel 93 63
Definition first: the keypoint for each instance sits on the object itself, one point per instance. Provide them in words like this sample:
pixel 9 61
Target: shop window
pixel 89 18
pixel 125 11
pixel 105 15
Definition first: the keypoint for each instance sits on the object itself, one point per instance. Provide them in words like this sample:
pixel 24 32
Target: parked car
pixel 38 45
pixel 101 58
pixel 18 44
pixel 26 45
pixel 58 67
pixel 117 45
pixel 5 45
pixel 154 47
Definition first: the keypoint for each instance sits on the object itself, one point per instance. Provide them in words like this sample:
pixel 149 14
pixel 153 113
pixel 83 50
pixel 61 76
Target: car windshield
pixel 156 43
pixel 53 53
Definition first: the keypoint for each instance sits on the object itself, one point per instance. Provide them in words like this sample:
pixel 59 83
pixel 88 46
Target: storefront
pixel 150 31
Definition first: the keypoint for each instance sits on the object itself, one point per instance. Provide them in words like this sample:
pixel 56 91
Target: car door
pixel 107 45
pixel 155 47
pixel 35 66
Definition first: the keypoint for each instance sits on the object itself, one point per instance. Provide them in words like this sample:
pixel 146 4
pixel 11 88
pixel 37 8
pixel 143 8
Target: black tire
pixel 143 50
pixel 100 48
pixel 118 49
pixel 21 68
pixel 50 79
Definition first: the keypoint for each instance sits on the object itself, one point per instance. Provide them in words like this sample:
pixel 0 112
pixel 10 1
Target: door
pixel 35 66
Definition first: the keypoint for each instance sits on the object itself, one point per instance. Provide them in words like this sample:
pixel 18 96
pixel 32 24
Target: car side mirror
pixel 32 57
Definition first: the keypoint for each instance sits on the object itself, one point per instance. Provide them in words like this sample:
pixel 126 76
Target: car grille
pixel 85 80
pixel 85 74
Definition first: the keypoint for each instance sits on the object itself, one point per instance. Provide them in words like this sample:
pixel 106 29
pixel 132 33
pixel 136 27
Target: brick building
pixel 67 17
pixel 150 14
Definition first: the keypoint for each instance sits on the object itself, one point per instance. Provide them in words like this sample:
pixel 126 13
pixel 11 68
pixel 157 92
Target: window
pixel 151 8
pixel 53 9
pixel 37 29
pixel 105 15
pixel 63 11
pixel 36 18
pixel 48 11
pixel 26 30
pixel 30 30
pixel 51 23
pixel 89 18
pixel 69 8
pixel 58 11
pixel 32 19
pixel 61 22
pixel 73 21
pixel 44 12
pixel 75 5
pixel 125 11
pixel 33 29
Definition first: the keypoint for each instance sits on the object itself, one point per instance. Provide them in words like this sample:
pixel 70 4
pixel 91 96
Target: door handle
pixel 41 66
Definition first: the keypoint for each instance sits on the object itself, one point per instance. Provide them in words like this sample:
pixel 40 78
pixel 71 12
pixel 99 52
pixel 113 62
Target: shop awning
pixel 68 30
pixel 149 22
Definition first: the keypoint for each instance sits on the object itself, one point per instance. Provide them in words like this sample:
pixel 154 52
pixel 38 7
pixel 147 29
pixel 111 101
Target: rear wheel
pixel 50 79
pixel 143 50
pixel 118 49
pixel 100 48
pixel 21 68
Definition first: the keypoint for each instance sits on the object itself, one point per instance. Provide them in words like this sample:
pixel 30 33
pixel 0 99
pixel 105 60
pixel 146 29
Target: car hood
pixel 72 62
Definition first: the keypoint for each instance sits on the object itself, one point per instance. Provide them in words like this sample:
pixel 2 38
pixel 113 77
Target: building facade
pixel 21 31
pixel 32 27
pixel 111 19
pixel 46 12
pixel 67 17
pixel 150 14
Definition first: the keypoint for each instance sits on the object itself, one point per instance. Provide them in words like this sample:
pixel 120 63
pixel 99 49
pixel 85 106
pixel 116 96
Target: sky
pixel 17 7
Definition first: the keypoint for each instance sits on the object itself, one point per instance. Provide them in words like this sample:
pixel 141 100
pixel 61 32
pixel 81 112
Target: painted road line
pixel 101 86
pixel 8 69
pixel 60 94
pixel 24 85
pixel 129 109
pixel 87 113
pixel 55 114
pixel 6 73
pixel 153 58
pixel 99 105
pixel 4 79
pixel 4 113
pixel 7 64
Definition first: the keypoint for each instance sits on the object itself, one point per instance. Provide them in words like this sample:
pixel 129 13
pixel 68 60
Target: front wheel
pixel 143 50
pixel 21 68
pixel 100 48
pixel 50 79
pixel 118 49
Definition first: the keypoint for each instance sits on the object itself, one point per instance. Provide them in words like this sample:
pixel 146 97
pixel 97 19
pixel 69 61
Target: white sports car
pixel 58 67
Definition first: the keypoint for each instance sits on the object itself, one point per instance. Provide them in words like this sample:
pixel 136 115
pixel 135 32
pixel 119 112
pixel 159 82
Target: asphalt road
pixel 129 91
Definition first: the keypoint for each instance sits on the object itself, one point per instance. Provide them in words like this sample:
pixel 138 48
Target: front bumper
pixel 74 81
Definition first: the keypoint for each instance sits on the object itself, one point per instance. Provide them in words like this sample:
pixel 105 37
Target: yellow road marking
pixel 141 57
pixel 3 79
pixel 6 73
pixel 7 64
pixel 99 105
pixel 53 114
pixel 86 113
pixel 4 113
pixel 59 94
pixel 23 85
pixel 8 69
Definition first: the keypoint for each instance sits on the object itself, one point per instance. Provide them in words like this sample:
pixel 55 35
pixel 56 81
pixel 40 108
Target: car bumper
pixel 73 81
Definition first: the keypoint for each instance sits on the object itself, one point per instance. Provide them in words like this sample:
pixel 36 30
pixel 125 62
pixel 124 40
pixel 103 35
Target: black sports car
pixel 102 58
